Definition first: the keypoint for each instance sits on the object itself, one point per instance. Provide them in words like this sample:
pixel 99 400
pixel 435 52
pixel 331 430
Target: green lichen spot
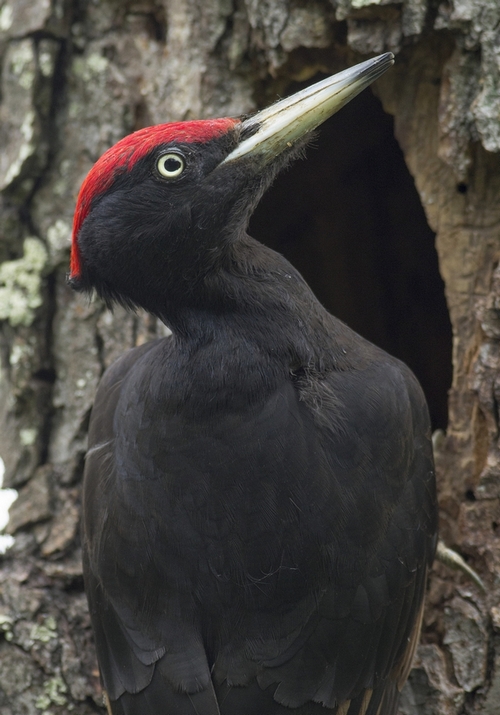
pixel 44 632
pixel 46 63
pixel 28 436
pixel 357 4
pixel 6 17
pixel 97 63
pixel 22 64
pixel 91 67
pixel 42 702
pixel 20 353
pixel 53 694
pixel 6 624
pixel 26 149
pixel 58 236
pixel 20 283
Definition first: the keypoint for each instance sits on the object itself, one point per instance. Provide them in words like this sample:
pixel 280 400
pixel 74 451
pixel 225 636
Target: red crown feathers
pixel 125 154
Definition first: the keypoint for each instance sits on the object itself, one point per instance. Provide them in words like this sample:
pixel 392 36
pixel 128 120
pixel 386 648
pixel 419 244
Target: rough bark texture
pixel 79 74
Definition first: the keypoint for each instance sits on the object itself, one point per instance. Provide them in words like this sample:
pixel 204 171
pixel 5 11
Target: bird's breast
pixel 237 502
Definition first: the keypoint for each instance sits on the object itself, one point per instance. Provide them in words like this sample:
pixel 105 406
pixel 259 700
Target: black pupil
pixel 172 164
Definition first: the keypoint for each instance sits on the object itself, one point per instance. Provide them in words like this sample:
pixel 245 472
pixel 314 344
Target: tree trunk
pixel 77 75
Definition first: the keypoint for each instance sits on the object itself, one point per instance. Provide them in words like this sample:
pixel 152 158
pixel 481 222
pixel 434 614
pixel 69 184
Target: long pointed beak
pixel 267 133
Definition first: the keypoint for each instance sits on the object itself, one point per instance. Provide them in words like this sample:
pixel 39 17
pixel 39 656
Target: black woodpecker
pixel 259 491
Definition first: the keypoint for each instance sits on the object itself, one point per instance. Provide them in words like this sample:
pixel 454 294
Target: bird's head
pixel 160 208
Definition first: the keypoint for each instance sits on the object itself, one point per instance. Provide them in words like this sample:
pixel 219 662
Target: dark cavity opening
pixel 350 219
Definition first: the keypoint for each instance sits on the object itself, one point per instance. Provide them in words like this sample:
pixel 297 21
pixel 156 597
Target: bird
pixel 259 500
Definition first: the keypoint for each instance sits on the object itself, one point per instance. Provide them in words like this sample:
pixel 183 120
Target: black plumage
pixel 259 497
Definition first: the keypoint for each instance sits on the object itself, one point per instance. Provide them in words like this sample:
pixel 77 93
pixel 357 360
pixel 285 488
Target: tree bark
pixel 77 75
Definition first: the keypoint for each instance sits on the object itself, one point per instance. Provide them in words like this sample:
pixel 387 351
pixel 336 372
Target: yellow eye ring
pixel 170 165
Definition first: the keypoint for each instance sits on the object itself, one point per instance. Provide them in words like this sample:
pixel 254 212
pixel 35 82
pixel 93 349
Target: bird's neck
pixel 254 295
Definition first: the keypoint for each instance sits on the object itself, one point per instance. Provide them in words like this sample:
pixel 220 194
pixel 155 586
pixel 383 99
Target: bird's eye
pixel 170 166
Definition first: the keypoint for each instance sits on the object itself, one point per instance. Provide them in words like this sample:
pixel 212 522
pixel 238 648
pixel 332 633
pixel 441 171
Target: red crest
pixel 126 153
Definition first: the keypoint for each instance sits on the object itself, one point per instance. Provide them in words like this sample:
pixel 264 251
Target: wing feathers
pixel 159 698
